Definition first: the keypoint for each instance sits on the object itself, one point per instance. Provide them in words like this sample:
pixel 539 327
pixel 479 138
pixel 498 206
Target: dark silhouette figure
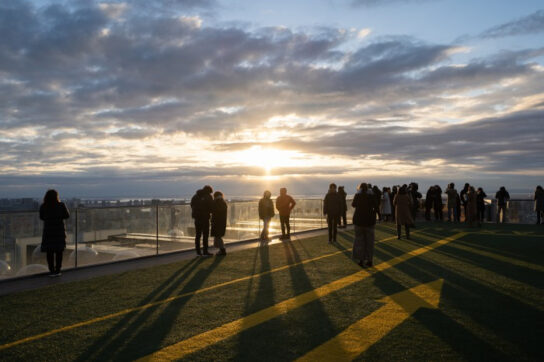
pixel 364 219
pixel 502 197
pixel 284 205
pixel 539 203
pixel 394 192
pixel 453 204
pixel 219 222
pixel 385 204
pixel 266 213
pixel 464 199
pixel 332 207
pixel 480 201
pixel 403 208
pixel 438 206
pixel 429 202
pixel 378 196
pixel 201 205
pixel 472 207
pixel 53 213
pixel 416 196
pixel 342 220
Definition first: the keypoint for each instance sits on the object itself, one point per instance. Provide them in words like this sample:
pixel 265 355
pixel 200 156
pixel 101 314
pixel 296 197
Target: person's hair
pixel 332 186
pixel 340 188
pixel 51 197
pixel 452 185
pixel 363 187
pixel 217 194
pixel 402 189
pixel 539 188
pixel 480 189
pixel 283 190
pixel 267 194
pixel 503 188
pixel 384 189
pixel 471 188
pixel 207 189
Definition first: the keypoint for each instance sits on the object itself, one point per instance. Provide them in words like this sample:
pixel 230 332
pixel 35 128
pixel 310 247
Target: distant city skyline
pixel 157 98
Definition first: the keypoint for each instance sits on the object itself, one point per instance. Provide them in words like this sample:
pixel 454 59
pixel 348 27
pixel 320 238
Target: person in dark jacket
pixel 502 197
pixel 416 196
pixel 343 212
pixel 332 208
pixel 480 203
pixel 429 202
pixel 464 198
pixel 201 205
pixel 403 208
pixel 394 192
pixel 284 204
pixel 438 205
pixel 219 222
pixel 364 220
pixel 378 195
pixel 53 213
pixel 539 203
pixel 266 213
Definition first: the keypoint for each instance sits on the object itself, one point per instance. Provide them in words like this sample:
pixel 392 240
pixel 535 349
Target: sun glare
pixel 267 158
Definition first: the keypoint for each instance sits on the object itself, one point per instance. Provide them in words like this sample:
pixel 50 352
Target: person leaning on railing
pixel 53 213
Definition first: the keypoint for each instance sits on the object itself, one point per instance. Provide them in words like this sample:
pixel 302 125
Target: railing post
pixel 157 225
pixel 75 236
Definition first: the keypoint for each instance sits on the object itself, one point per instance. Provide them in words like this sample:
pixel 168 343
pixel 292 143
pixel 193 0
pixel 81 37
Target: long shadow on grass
pixel 514 321
pixel 124 341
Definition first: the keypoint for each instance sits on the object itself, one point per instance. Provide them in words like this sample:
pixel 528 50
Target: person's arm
pixel 65 213
pixel 293 203
pixel 326 204
pixel 42 213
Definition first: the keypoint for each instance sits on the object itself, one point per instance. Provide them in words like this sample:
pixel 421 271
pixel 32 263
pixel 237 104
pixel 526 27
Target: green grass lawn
pixel 491 305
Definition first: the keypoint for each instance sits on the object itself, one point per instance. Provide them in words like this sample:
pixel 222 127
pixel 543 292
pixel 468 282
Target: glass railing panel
pixel 243 222
pixel 176 228
pixel 307 215
pixel 111 234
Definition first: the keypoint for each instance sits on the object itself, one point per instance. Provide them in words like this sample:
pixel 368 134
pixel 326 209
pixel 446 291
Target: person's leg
pixel 330 220
pixel 370 245
pixel 538 214
pixel 334 228
pixel 266 223
pixel 407 228
pixel 344 216
pixel 282 224
pixel 398 231
pixel 205 234
pixel 58 260
pixel 50 258
pixel 288 226
pixel 198 234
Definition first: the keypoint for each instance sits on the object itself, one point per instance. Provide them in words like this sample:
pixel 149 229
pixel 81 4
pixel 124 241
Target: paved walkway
pixel 87 272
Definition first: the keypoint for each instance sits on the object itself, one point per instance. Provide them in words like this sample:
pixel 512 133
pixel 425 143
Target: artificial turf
pixel 491 306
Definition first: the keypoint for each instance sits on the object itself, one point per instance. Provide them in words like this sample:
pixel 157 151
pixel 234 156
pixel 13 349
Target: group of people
pixel 398 204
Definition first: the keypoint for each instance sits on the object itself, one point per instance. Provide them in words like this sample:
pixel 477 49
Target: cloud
pixel 530 24
pixel 376 3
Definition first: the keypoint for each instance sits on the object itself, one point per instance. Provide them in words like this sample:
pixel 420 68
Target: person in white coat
pixel 385 204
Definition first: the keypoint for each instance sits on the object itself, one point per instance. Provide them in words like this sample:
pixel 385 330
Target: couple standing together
pixel 284 204
pixel 204 206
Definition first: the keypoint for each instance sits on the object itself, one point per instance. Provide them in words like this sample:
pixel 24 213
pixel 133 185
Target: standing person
pixel 429 202
pixel 403 208
pixel 201 206
pixel 284 204
pixel 385 204
pixel 364 220
pixel 394 192
pixel 266 213
pixel 463 197
pixel 472 207
pixel 438 205
pixel 502 197
pixel 378 195
pixel 219 221
pixel 452 202
pixel 344 210
pixel 53 213
pixel 332 206
pixel 416 196
pixel 480 201
pixel 539 203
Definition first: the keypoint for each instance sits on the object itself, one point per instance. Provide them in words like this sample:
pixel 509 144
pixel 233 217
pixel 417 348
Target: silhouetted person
pixel 219 222
pixel 416 196
pixel 394 192
pixel 378 197
pixel 266 213
pixel 284 204
pixel 53 213
pixel 201 206
pixel 539 203
pixel 463 196
pixel 480 201
pixel 429 202
pixel 344 210
pixel 364 220
pixel 502 197
pixel 332 206
pixel 438 206
pixel 403 208
pixel 472 207
pixel 452 203
pixel 385 204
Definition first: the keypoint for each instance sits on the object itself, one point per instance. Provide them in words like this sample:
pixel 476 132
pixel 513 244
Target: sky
pixel 157 98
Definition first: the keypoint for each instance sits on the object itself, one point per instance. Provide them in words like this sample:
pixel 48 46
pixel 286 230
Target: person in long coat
pixel 438 205
pixel 452 203
pixel 219 222
pixel 332 208
pixel 385 204
pixel 539 203
pixel 403 214
pixel 480 201
pixel 472 207
pixel 53 213
pixel 266 213
pixel 364 220
pixel 343 213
